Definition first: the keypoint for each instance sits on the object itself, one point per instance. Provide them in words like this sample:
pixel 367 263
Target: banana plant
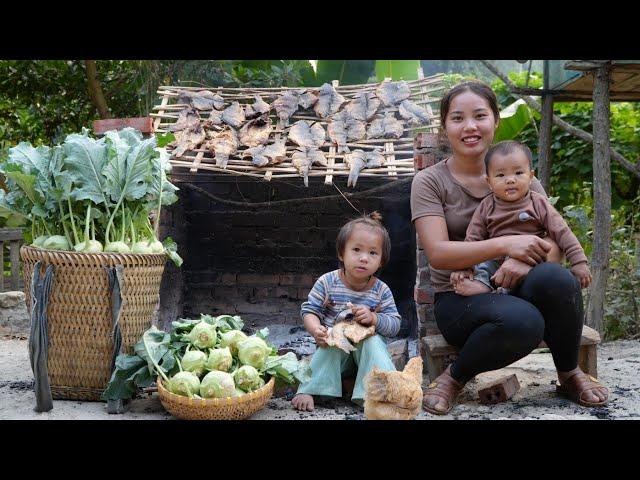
pixel 513 119
pixel 397 69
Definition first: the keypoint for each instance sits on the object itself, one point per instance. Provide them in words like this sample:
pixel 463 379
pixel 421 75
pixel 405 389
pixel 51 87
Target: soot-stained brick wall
pixel 260 262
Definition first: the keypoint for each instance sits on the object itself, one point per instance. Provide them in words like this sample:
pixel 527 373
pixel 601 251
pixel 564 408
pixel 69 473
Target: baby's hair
pixel 372 220
pixel 505 148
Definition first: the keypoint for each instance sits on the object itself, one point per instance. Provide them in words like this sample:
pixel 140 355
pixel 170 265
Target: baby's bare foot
pixel 302 401
pixel 468 287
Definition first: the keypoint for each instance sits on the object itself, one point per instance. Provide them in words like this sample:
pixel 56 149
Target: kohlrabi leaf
pixel 85 159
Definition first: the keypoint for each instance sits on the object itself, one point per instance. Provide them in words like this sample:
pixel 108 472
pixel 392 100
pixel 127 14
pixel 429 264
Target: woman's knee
pixel 372 342
pixel 523 326
pixel 551 279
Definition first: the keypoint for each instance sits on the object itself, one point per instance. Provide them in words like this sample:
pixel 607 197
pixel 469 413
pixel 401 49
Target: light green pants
pixel 329 364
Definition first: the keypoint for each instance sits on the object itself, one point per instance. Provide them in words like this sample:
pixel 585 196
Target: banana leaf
pixel 397 69
pixel 512 120
pixel 347 72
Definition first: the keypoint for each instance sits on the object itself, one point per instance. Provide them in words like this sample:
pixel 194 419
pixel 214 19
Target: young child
pixel 363 246
pixel 513 209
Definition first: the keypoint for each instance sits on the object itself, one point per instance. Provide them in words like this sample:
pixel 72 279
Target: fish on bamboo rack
pixel 222 145
pixel 259 108
pixel 307 99
pixel 264 155
pixel 359 160
pixel 385 127
pixel 285 106
pixel 233 115
pixel 304 158
pixel 414 113
pixel 364 106
pixel 392 93
pixel 202 100
pixel 343 128
pixel 188 119
pixel 256 132
pixel 215 118
pixel 329 101
pixel 188 139
pixel 304 134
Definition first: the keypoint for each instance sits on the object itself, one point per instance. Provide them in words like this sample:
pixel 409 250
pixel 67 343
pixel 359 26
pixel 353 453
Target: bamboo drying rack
pixel 425 91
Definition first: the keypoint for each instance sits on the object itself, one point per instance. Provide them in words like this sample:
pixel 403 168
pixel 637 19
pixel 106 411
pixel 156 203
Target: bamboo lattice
pixel 398 153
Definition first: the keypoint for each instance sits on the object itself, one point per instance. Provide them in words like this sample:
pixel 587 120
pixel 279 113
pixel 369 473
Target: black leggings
pixel 494 330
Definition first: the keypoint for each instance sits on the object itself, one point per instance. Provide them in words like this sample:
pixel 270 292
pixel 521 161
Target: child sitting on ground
pixel 363 247
pixel 513 209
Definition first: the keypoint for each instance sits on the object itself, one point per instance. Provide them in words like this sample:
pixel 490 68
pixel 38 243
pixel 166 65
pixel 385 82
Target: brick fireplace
pixel 260 261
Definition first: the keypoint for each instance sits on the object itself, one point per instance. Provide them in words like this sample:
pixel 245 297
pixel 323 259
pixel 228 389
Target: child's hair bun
pixel 375 215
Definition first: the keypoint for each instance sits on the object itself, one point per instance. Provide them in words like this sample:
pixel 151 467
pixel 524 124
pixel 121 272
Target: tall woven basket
pixel 79 314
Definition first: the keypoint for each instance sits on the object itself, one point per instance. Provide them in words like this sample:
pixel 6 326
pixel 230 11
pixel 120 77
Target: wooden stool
pixel 438 354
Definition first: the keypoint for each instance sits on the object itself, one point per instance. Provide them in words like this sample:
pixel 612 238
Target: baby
pixel 513 209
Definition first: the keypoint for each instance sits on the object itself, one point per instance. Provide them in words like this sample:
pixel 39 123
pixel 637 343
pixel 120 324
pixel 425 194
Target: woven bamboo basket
pixel 230 408
pixel 79 314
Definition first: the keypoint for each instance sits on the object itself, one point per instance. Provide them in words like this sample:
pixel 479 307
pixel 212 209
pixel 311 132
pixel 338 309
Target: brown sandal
pixel 577 385
pixel 446 387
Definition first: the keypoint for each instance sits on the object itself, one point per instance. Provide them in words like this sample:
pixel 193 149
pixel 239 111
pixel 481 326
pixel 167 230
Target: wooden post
pixel 601 197
pixel 544 147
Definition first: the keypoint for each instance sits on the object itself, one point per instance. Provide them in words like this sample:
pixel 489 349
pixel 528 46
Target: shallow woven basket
pixel 79 314
pixel 230 408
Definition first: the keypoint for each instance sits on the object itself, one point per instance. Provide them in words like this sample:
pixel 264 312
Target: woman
pixel 491 330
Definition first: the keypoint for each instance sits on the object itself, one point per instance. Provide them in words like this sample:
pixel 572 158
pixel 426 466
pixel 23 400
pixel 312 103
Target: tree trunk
pixel 601 198
pixel 95 91
pixel 544 148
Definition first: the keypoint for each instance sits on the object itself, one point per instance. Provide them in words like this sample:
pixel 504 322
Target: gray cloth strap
pixel 115 281
pixel 39 338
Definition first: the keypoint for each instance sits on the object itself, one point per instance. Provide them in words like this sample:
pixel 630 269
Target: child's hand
pixel 582 273
pixel 319 333
pixel 457 277
pixel 364 316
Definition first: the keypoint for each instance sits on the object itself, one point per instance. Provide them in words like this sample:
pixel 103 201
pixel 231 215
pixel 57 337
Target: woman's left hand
pixel 511 273
pixel 364 316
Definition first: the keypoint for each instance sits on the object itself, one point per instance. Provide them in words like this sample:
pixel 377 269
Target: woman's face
pixel 470 124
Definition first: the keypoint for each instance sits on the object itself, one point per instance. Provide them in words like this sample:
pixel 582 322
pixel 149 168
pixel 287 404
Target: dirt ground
pixel 618 367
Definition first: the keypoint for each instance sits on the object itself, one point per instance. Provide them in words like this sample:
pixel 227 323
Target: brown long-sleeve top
pixel 531 215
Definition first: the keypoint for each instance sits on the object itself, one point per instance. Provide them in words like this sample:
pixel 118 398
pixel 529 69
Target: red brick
pixel 425 140
pixel 297 280
pixel 423 160
pixel 303 293
pixel 423 296
pixel 144 124
pixel 286 292
pixel 499 391
pixel 228 279
pixel 257 279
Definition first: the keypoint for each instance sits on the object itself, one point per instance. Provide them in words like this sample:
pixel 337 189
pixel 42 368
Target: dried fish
pixel 386 127
pixel 188 119
pixel 285 106
pixel 256 132
pixel 223 145
pixel 187 139
pixel 363 106
pixel 263 155
pixel 307 99
pixel 392 93
pixel 202 100
pixel 359 160
pixel 304 158
pixel 414 113
pixel 215 118
pixel 306 135
pixel 329 102
pixel 342 128
pixel 258 108
pixel 233 115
